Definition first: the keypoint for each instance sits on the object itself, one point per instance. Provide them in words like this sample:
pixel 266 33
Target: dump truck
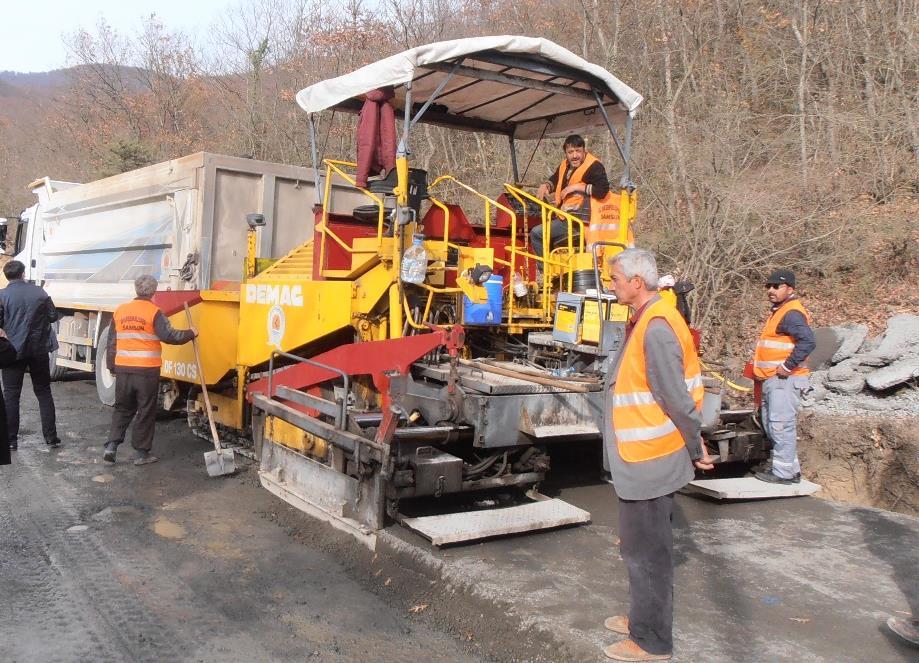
pixel 183 221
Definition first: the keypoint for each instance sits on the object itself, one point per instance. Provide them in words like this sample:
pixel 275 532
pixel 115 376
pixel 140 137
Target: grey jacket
pixel 660 476
pixel 26 314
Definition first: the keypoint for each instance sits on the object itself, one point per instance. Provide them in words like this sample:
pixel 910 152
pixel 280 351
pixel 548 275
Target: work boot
pixel 769 477
pixel 142 457
pixel 617 624
pixel 110 449
pixel 53 444
pixel 628 650
pixel 908 629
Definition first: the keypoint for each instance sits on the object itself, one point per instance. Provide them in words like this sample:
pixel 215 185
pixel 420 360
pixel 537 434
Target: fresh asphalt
pixel 101 562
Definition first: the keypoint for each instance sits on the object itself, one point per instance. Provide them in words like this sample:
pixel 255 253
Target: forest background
pixel 776 133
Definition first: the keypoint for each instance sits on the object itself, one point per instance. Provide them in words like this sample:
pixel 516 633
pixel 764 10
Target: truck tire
pixel 105 379
pixel 57 372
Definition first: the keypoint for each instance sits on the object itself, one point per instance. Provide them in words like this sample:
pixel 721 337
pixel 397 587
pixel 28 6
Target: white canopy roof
pixel 524 87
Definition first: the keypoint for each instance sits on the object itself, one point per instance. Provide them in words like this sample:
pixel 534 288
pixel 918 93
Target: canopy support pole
pixel 434 95
pixel 317 178
pixel 514 168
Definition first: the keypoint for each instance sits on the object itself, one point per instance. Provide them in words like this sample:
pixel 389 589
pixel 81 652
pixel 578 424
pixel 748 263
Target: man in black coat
pixel 26 314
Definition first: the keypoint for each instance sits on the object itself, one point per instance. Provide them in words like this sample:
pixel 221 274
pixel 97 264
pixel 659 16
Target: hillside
pixel 780 136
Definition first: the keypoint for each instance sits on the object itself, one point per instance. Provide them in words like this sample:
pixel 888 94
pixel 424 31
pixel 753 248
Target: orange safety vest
pixel 604 223
pixel 642 428
pixel 136 342
pixel 773 348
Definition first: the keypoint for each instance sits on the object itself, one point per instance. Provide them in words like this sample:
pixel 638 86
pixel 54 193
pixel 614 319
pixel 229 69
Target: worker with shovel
pixel 135 350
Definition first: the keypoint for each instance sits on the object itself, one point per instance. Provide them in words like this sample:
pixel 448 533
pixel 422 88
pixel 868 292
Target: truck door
pixel 26 250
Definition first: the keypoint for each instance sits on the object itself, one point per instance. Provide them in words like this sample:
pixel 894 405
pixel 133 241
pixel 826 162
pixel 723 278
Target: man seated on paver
pixel 579 178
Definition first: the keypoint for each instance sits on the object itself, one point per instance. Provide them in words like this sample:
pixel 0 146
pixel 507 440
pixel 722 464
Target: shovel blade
pixel 220 463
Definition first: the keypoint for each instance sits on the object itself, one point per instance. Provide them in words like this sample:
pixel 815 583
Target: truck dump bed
pixel 181 220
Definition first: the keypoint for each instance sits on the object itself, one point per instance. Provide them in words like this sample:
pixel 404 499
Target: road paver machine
pixel 416 347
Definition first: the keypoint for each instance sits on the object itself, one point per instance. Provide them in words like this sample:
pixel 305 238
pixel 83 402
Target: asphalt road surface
pixel 162 563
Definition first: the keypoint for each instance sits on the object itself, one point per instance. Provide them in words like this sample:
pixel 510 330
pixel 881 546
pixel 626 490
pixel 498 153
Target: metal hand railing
pixel 337 167
pixel 342 421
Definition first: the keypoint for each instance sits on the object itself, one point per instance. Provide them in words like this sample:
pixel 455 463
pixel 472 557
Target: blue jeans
pixel 781 402
pixel 558 233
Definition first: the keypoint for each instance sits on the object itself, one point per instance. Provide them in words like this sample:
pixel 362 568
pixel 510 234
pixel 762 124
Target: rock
pixel 853 337
pixel 829 340
pixel 817 378
pixel 815 395
pixel 845 370
pixel 850 385
pixel 872 360
pixel 902 370
pixel 901 337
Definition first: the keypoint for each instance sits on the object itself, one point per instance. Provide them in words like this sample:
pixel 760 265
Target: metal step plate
pixel 473 525
pixel 749 488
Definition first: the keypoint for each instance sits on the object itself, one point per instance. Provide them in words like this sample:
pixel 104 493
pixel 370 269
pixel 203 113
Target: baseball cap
pixel 780 276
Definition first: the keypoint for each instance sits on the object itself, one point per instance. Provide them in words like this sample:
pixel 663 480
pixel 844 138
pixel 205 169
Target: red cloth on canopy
pixel 376 135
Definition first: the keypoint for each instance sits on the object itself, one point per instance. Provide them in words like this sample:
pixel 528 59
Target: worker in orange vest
pixel 778 364
pixel 134 348
pixel 652 443
pixel 579 186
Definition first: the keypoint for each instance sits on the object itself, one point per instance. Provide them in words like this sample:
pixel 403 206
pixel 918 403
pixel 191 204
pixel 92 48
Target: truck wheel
pixel 57 372
pixel 105 379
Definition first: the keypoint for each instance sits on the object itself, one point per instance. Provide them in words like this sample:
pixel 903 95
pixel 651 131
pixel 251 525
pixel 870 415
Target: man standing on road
pixel 26 314
pixel 653 438
pixel 778 363
pixel 135 350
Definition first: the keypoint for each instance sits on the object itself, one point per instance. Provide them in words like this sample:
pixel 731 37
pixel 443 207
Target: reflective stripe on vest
pixel 642 429
pixel 136 342
pixel 772 348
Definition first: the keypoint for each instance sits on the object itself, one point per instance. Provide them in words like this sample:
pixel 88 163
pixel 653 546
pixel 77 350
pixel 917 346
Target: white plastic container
pixel 520 285
pixel 415 261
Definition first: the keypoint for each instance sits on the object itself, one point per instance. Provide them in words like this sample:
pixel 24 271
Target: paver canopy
pixel 524 87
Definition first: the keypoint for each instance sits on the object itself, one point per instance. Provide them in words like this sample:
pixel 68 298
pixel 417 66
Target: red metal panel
pixel 173 301
pixel 368 358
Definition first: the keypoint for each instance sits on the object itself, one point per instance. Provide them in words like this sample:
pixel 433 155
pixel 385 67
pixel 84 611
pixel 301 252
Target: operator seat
pixel 383 187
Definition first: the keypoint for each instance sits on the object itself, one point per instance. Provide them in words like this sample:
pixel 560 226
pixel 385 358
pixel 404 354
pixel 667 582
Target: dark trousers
pixel 40 370
pixel 135 398
pixel 4 437
pixel 646 545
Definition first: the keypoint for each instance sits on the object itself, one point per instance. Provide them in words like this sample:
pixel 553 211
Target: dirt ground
pixel 869 461
pixel 160 563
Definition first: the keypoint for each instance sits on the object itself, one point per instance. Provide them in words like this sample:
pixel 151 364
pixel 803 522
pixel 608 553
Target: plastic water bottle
pixel 415 261
pixel 520 285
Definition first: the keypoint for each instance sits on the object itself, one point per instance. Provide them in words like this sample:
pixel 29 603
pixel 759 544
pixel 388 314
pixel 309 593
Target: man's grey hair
pixel 145 285
pixel 637 262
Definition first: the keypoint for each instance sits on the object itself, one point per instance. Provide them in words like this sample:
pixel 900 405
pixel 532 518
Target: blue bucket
pixel 488 313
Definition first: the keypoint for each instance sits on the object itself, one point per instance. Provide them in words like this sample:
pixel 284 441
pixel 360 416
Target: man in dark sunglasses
pixel 778 362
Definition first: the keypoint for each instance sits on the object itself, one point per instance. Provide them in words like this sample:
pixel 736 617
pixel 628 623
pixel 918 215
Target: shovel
pixel 220 461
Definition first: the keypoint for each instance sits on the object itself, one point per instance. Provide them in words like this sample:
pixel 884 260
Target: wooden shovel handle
pixel 207 400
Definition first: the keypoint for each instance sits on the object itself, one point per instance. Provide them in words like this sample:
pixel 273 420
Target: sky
pixel 32 34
